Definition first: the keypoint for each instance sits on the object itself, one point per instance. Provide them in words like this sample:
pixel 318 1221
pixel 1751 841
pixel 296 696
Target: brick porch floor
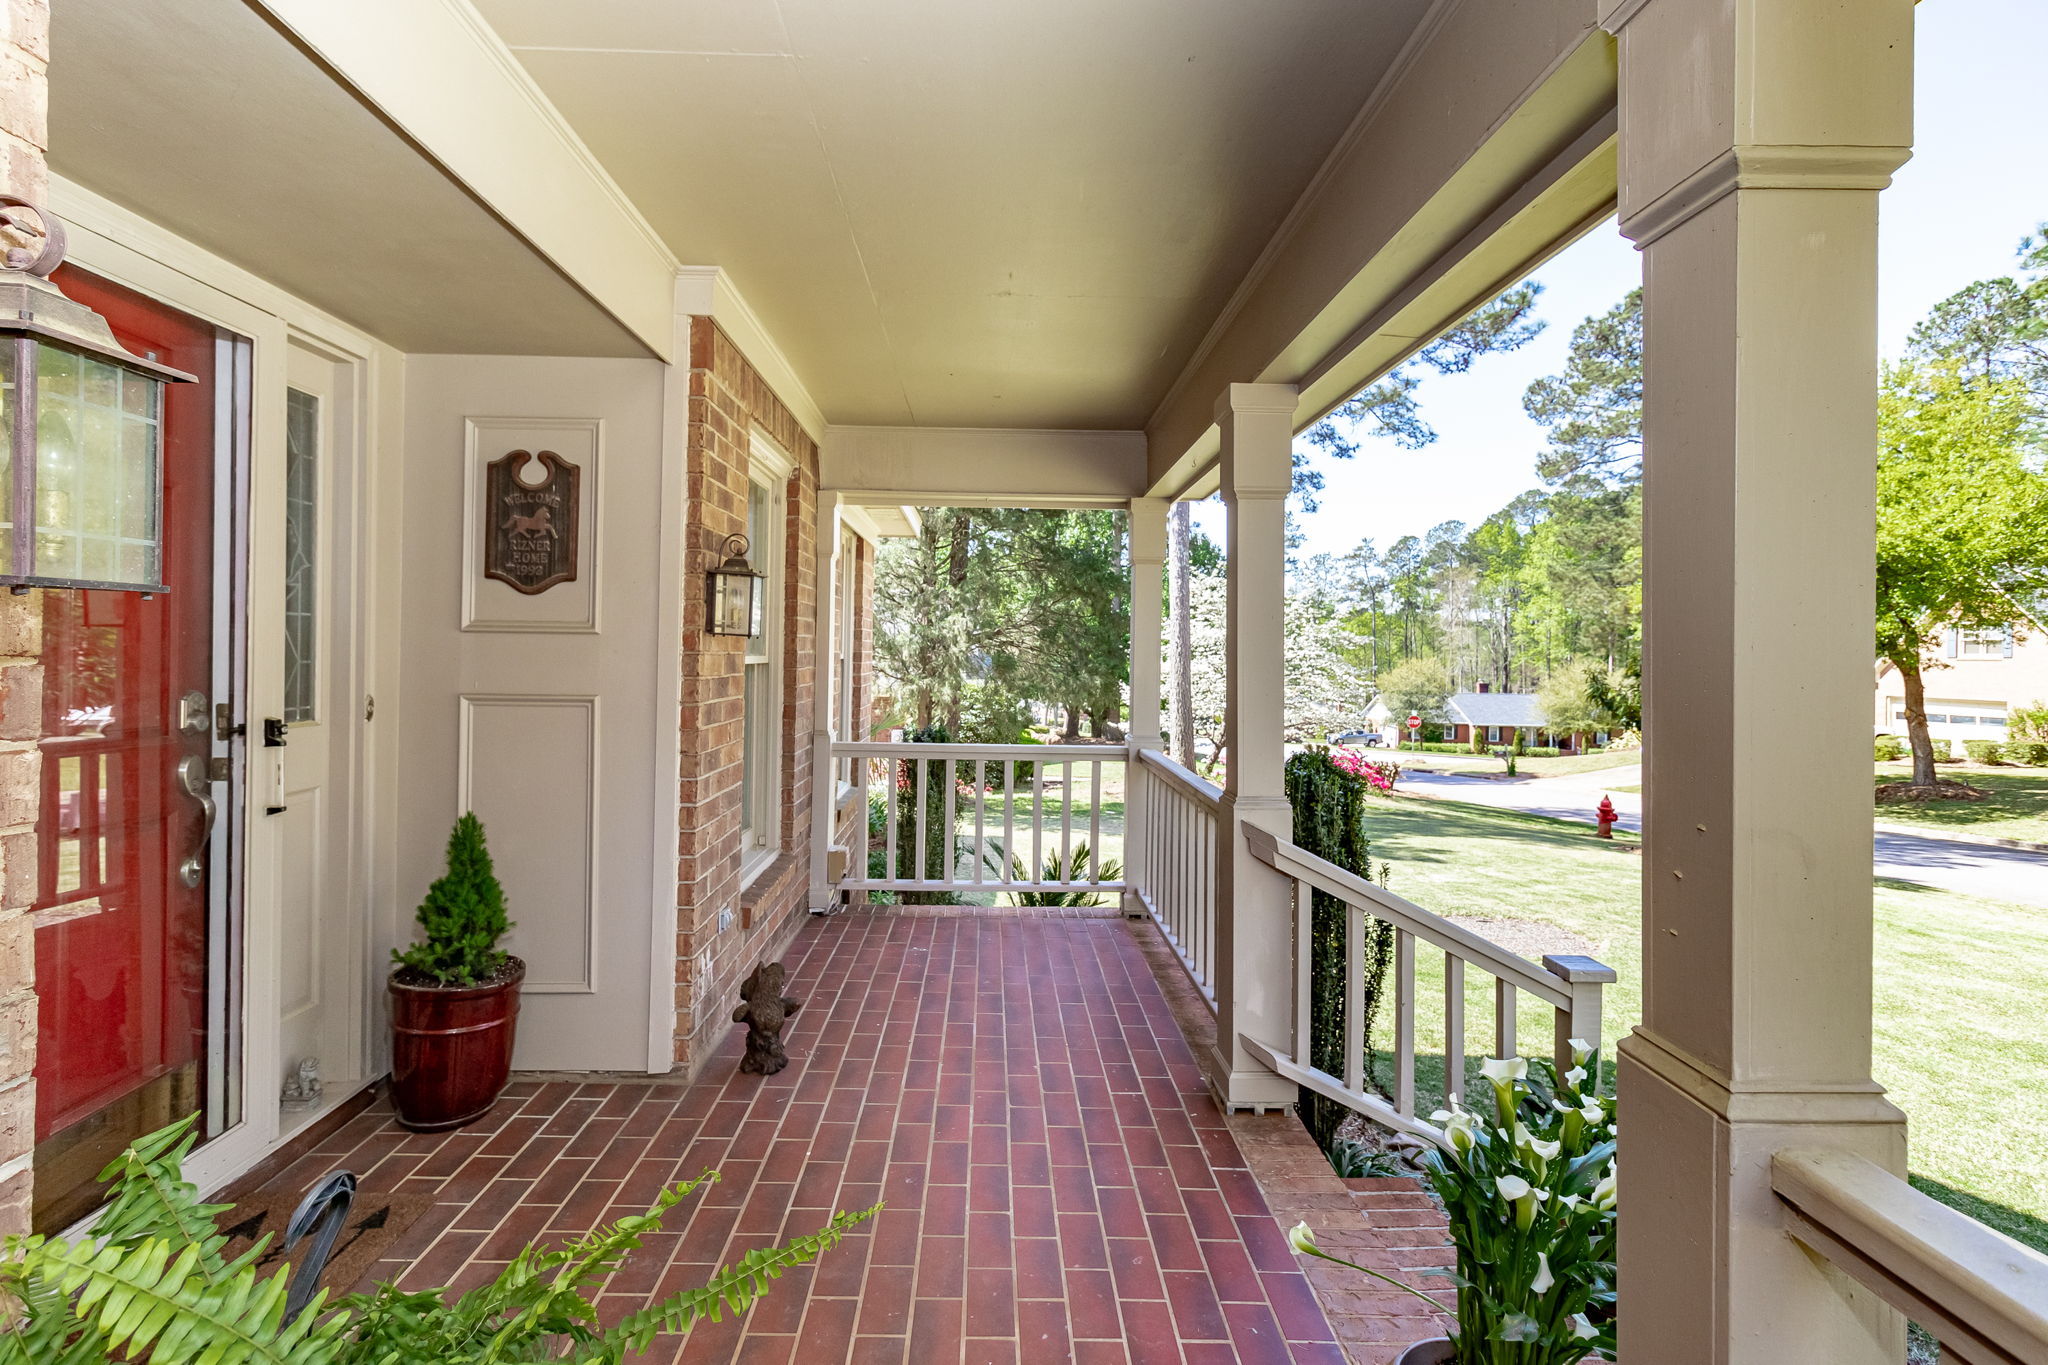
pixel 1059 1184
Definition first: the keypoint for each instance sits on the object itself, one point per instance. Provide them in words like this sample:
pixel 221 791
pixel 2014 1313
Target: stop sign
pixel 1414 722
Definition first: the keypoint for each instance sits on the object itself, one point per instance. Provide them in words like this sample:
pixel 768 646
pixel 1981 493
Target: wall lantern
pixel 82 423
pixel 736 602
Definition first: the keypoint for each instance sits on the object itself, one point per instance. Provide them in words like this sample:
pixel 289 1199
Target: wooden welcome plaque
pixel 530 528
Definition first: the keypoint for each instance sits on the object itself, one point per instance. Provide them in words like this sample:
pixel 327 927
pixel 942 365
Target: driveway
pixel 2003 874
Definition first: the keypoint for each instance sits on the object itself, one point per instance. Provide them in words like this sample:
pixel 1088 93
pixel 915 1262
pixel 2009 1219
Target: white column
pixel 1148 587
pixel 1254 911
pixel 825 694
pixel 1755 135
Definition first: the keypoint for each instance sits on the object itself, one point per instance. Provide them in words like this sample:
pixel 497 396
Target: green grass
pixel 1958 989
pixel 2018 808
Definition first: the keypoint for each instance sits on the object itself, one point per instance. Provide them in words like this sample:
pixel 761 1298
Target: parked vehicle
pixel 1369 739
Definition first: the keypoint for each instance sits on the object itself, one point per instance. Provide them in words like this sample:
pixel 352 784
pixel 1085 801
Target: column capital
pixel 1148 530
pixel 1244 399
pixel 1762 168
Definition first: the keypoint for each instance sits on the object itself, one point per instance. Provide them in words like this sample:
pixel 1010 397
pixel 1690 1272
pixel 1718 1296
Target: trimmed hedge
pixel 1890 749
pixel 1433 748
pixel 1986 751
pixel 2029 753
pixel 1942 753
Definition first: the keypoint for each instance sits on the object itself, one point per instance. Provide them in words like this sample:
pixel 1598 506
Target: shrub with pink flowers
pixel 1380 776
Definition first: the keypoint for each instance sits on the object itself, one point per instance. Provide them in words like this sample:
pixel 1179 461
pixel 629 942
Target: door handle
pixel 195 776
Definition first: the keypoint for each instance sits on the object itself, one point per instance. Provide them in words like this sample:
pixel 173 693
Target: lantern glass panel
pixel 735 603
pixel 99 450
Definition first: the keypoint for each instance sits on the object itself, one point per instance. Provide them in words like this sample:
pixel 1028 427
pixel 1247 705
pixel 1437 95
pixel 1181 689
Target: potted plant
pixel 1530 1193
pixel 152 1281
pixel 455 995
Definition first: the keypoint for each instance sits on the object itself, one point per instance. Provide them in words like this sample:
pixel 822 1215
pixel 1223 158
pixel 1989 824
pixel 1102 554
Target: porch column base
pixel 1708 1269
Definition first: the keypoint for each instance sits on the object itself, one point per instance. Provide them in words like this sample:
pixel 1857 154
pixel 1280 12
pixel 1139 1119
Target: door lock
pixel 195 775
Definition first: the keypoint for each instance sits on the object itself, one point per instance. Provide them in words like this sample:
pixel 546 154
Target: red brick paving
pixel 1059 1184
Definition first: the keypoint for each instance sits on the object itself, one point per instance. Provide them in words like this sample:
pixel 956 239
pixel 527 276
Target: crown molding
pixel 709 291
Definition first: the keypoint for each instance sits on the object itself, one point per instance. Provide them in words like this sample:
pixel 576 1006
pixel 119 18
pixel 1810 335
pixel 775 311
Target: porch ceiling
pixel 1007 213
pixel 205 118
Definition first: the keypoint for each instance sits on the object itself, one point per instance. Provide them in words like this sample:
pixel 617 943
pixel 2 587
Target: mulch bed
pixel 1944 789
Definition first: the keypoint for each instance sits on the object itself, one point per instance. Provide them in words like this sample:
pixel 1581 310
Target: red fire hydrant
pixel 1606 814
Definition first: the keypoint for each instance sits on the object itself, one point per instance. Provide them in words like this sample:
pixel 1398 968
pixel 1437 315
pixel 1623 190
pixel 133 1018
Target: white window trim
pixel 769 468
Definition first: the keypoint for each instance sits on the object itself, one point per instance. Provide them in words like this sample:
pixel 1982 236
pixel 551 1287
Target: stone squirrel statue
pixel 764 1011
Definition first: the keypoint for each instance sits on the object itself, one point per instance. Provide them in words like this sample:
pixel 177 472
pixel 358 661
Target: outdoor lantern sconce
pixel 736 592
pixel 82 419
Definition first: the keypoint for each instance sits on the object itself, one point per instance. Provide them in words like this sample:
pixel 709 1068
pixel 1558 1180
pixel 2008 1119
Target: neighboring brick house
pixel 1974 682
pixel 1495 715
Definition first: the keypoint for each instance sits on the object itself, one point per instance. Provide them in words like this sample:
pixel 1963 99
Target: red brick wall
pixel 728 401
pixel 24 102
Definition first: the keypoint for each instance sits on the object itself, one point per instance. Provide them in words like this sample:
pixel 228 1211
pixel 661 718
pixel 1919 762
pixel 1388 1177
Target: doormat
pixel 374 1223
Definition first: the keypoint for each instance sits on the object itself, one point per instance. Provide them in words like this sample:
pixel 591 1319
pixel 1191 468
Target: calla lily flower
pixel 1577 1075
pixel 1605 1192
pixel 1581 1050
pixel 1512 1187
pixel 1583 1328
pixel 1544 1282
pixel 1502 1070
pixel 1546 1150
pixel 1302 1238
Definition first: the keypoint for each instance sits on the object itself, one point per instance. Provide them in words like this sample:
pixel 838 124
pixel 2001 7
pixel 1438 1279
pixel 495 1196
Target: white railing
pixel 1571 984
pixel 965 819
pixel 1173 860
pixel 1983 1296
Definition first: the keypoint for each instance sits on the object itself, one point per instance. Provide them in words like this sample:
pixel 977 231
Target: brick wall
pixel 728 400
pixel 24 102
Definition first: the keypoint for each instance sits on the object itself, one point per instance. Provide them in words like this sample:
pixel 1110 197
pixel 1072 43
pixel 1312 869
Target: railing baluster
pixel 1454 1028
pixel 1503 1019
pixel 1354 996
pixel 892 781
pixel 1009 818
pixel 980 805
pixel 1031 873
pixel 1095 822
pixel 1067 822
pixel 949 866
pixel 1404 1023
pixel 918 832
pixel 1304 969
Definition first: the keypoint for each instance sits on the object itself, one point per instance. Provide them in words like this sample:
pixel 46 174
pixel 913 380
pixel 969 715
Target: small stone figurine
pixel 303 1089
pixel 764 1012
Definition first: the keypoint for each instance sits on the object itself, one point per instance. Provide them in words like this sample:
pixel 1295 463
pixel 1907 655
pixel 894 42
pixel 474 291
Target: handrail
pixel 1192 785
pixel 1328 877
pixel 918 753
pixel 1981 1294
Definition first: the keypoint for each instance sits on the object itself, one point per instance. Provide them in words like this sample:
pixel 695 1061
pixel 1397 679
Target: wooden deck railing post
pixel 1148 573
pixel 1584 976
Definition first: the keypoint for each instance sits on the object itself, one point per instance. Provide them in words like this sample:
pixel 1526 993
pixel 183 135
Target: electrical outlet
pixel 724 920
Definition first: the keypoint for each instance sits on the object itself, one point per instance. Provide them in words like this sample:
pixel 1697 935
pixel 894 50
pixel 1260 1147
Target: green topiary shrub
pixel 1478 741
pixel 1890 749
pixel 1941 751
pixel 463 916
pixel 1986 751
pixel 2031 753
pixel 1329 821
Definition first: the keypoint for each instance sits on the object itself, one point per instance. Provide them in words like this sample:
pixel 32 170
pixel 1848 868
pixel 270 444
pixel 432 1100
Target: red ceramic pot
pixel 451 1048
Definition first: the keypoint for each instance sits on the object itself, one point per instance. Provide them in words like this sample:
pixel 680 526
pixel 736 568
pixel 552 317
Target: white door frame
pixel 121 246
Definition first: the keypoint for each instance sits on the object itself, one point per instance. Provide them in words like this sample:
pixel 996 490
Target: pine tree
pixel 463 916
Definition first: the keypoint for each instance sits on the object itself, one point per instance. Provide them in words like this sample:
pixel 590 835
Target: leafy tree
pixel 1962 523
pixel 1419 686
pixel 1619 693
pixel 1994 329
pixel 1594 410
pixel 463 916
pixel 1565 700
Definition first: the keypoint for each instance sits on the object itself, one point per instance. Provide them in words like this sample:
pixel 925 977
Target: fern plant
pixel 153 1283
pixel 1058 869
pixel 463 916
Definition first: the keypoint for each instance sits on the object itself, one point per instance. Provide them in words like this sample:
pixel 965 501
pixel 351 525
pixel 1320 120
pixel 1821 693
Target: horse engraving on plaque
pixel 530 528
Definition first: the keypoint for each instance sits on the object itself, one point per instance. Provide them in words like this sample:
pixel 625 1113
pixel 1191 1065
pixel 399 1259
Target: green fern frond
pixel 152 1298
pixel 48 1332
pixel 733 1288
pixel 151 1199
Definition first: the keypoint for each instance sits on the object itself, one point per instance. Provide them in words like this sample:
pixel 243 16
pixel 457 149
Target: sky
pixel 1977 184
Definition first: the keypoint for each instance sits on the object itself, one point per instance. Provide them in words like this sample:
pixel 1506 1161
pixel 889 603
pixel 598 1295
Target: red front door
pixel 124 935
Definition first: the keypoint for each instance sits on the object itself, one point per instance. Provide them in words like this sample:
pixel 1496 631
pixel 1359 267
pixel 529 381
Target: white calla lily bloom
pixel 1511 1187
pixel 1502 1070
pixel 1582 1327
pixel 1543 1283
pixel 1302 1238
pixel 1547 1150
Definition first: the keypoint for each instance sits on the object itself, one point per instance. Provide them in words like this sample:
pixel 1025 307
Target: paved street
pixel 2004 874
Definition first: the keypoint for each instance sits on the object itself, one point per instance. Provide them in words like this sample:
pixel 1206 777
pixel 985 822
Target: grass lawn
pixel 2018 808
pixel 1959 988
pixel 1526 766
